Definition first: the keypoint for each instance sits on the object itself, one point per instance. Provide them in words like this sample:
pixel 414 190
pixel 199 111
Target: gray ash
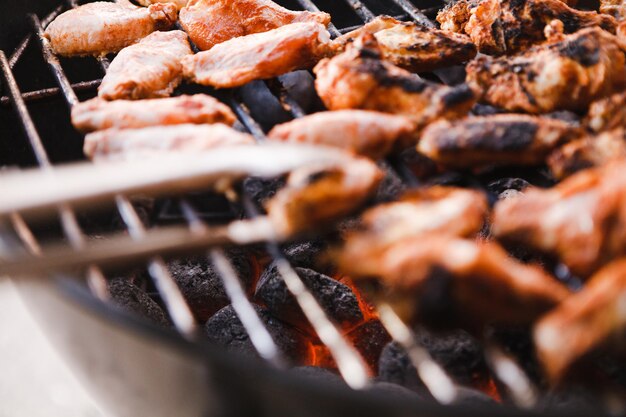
pixel 305 254
pixel 133 299
pixel 370 339
pixel 225 329
pixel 337 299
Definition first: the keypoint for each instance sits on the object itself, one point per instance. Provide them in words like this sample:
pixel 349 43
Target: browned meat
pixel 368 133
pixel 582 220
pixel 98 114
pixel 607 113
pixel 360 79
pixel 210 22
pixel 493 140
pixel 474 283
pixel 259 56
pixel 179 3
pixel 587 152
pixel 102 27
pixel 500 27
pixel 413 47
pixel 137 143
pixel 591 319
pixel 615 8
pixel 564 75
pixel 149 68
pixel 315 196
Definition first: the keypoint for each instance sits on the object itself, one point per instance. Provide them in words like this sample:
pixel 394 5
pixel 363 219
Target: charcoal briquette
pixel 133 299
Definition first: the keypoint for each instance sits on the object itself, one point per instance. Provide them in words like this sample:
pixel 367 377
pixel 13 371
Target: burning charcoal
pixel 468 396
pixel 262 189
pixel 393 391
pixel 318 374
pixel 225 329
pixel 572 397
pixel 133 299
pixel 202 286
pixel 338 300
pixel 395 367
pixel 369 339
pixel 304 254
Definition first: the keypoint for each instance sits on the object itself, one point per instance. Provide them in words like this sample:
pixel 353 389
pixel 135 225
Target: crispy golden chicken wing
pixel 607 113
pixel 368 133
pixel 582 220
pixel 500 27
pixel 565 75
pixel 149 68
pixel 210 22
pixel 515 139
pixel 98 114
pixel 587 152
pixel 591 319
pixel 102 27
pixel 360 79
pixel 413 47
pixel 259 56
pixel 137 143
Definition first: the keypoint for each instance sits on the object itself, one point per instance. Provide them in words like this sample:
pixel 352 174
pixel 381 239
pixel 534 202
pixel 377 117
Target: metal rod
pixel 416 14
pixel 51 92
pixel 521 390
pixel 361 10
pixel 312 7
pixel 17 54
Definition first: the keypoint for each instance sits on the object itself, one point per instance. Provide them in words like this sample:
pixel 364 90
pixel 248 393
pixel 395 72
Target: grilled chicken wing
pixel 368 133
pixel 607 113
pixel 498 139
pixel 588 152
pixel 149 68
pixel 443 280
pixel 591 319
pixel 102 27
pixel 615 8
pixel 136 143
pixel 317 195
pixel 582 220
pixel 360 79
pixel 510 26
pixel 179 3
pixel 565 75
pixel 259 56
pixel 98 114
pixel 413 47
pixel 210 22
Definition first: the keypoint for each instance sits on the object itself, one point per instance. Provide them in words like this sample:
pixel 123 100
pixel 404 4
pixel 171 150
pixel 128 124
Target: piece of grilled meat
pixel 259 56
pixel 98 114
pixel 500 27
pixel 414 47
pixel 317 195
pixel 590 320
pixel 179 3
pixel 364 132
pixel 103 27
pixel 446 281
pixel 607 113
pixel 615 8
pixel 150 68
pixel 137 143
pixel 514 139
pixel 210 22
pixel 564 75
pixel 587 152
pixel 360 79
pixel 582 220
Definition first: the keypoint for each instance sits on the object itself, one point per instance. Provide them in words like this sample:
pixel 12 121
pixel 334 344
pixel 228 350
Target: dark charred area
pixel 583 50
pixel 133 299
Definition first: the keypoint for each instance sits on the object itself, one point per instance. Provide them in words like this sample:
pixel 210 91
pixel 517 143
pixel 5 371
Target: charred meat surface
pixel 210 22
pixel 363 132
pixel 413 47
pixel 259 56
pixel 360 79
pixel 607 113
pixel 133 299
pixel 500 27
pixel 581 220
pixel 564 75
pixel 592 319
pixel 103 27
pixel 97 114
pixel 137 143
pixel 501 139
pixel 150 68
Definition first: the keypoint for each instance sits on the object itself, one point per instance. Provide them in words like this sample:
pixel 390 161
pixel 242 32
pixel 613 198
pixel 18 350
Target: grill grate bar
pixel 416 14
pixel 312 7
pixel 361 10
pixel 17 54
pixel 51 92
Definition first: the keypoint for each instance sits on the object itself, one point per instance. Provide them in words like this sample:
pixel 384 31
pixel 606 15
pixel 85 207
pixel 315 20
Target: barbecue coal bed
pixel 157 362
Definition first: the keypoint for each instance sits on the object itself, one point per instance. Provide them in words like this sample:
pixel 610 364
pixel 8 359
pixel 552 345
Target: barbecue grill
pixel 134 367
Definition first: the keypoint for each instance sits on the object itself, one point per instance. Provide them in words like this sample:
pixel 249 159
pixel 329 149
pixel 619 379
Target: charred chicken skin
pixel 413 47
pixel 210 22
pixel 98 114
pixel 582 220
pixel 103 27
pixel 150 68
pixel 564 75
pixel 490 140
pixel 499 27
pixel 259 56
pixel 360 79
pixel 592 319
